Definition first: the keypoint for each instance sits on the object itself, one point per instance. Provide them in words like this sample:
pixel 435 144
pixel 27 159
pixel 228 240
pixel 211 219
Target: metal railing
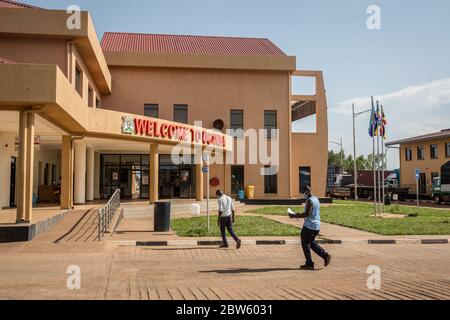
pixel 106 213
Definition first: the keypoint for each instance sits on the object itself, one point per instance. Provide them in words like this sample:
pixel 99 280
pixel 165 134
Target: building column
pixel 79 181
pixel 96 175
pixel 199 176
pixel 154 173
pixel 90 174
pixel 25 167
pixel 66 173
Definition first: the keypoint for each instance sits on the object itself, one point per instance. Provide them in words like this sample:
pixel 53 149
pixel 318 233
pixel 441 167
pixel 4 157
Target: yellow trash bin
pixel 250 192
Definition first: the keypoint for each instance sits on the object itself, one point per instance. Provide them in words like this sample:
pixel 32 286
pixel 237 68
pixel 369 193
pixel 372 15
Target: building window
pixel 434 152
pixel 420 153
pixel 270 123
pixel 90 96
pixel 79 80
pixel 270 179
pixel 237 123
pixel 180 113
pixel 434 175
pixel 98 103
pixel 304 178
pixel 237 179
pixel 408 154
pixel 447 150
pixel 151 110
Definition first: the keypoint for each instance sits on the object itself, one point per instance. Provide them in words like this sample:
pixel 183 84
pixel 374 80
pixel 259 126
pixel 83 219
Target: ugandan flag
pixel 383 123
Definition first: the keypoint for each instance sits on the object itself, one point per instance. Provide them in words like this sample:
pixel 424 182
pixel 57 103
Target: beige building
pixel 88 118
pixel 428 153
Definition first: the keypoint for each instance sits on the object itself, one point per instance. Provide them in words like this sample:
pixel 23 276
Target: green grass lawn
pixel 420 221
pixel 244 227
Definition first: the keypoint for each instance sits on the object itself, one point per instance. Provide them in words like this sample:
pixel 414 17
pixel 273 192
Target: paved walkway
pixel 38 270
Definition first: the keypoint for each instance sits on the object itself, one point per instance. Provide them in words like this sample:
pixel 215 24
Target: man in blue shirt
pixel 311 229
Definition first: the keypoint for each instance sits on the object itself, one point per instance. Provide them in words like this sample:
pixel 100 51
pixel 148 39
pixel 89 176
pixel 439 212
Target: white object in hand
pixel 290 211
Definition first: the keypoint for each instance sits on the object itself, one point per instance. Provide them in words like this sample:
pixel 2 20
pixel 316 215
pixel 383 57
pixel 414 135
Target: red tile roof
pixel 6 61
pixel 431 136
pixel 15 4
pixel 159 43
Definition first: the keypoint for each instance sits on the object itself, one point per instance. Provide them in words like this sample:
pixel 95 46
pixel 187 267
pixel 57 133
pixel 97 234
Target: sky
pixel 405 64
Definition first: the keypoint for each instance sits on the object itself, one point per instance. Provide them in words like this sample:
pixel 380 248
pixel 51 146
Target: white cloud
pixel 411 111
pixel 435 93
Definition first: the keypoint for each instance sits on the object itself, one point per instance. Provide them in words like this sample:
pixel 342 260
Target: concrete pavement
pixel 37 270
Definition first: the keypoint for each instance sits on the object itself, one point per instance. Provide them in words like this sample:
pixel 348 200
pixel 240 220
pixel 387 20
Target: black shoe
pixel 238 244
pixel 224 246
pixel 307 267
pixel 327 260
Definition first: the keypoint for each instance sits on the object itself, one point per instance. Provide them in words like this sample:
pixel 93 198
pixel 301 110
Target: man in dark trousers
pixel 311 229
pixel 226 218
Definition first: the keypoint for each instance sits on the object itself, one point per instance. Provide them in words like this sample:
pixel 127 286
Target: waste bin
pixel 241 194
pixel 250 192
pixel 161 217
pixel 387 200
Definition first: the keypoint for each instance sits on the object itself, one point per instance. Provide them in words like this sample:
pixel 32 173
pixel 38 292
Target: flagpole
pixel 377 159
pixel 373 163
pixel 380 201
pixel 355 171
pixel 383 151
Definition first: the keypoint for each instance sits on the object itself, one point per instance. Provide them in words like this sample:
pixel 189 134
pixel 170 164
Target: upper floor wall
pixel 43 37
pixel 428 151
pixel 209 94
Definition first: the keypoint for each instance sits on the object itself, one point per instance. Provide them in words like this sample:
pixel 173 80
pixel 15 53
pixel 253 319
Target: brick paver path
pixel 37 270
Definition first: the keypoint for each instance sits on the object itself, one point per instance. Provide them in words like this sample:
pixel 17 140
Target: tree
pixel 362 163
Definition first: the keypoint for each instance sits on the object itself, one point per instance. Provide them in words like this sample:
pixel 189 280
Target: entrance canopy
pixel 44 90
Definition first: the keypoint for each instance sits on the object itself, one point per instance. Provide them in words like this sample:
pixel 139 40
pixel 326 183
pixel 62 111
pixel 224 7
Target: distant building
pixel 428 153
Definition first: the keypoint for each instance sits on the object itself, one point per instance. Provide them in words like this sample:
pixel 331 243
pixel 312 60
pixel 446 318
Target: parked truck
pixel 344 187
pixel 441 185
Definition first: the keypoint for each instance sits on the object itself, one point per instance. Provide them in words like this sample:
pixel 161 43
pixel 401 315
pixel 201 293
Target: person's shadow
pixel 247 270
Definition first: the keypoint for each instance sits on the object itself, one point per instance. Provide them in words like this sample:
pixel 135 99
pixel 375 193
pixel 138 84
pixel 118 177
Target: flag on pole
pixel 378 121
pixel 383 123
pixel 374 123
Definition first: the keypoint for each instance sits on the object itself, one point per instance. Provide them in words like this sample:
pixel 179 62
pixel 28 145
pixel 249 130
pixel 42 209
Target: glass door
pixel 237 179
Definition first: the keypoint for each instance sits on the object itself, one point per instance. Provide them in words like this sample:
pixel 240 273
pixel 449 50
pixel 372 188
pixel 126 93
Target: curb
pixel 249 242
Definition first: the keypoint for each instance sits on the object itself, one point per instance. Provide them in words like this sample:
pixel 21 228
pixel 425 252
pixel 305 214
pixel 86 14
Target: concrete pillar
pixel 66 173
pixel 90 174
pixel 154 173
pixel 198 176
pixel 25 167
pixel 79 181
pixel 96 175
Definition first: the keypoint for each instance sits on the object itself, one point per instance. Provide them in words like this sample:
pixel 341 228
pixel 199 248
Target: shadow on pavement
pixel 182 249
pixel 245 270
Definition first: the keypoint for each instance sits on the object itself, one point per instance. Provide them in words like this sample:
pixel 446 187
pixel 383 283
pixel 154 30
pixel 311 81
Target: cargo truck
pixel 441 185
pixel 344 188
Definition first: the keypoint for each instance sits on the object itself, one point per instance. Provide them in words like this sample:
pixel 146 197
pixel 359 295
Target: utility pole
pixel 355 171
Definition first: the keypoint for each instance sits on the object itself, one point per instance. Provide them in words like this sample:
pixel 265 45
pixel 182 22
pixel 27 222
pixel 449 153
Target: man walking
pixel 226 218
pixel 310 230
